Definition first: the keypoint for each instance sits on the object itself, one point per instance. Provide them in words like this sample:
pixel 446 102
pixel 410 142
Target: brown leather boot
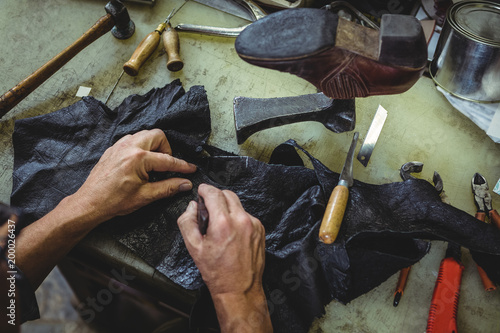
pixel 341 58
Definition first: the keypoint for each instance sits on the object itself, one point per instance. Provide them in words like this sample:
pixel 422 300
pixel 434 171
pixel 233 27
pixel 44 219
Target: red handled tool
pixel 444 304
pixel 482 199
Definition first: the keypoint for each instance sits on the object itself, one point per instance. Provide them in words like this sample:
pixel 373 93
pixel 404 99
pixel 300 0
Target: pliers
pixel 482 198
pixel 444 304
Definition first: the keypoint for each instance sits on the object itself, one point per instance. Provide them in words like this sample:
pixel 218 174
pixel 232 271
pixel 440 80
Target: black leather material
pixel 54 154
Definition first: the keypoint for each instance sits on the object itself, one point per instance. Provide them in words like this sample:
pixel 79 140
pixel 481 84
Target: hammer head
pixel 124 27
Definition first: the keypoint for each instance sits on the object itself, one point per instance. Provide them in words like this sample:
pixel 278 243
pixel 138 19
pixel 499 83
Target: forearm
pixel 243 313
pixel 42 244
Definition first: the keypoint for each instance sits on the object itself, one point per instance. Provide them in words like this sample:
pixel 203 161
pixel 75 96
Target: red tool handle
pixel 444 304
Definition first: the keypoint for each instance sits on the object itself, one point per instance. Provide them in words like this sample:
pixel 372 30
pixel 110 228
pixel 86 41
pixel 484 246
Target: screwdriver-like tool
pixel 172 47
pixel 149 44
pixel 335 209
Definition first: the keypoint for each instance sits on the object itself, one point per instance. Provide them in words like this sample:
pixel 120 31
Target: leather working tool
pixel 444 303
pixel 334 213
pixel 117 20
pixel 235 8
pixel 149 44
pixel 482 198
pixel 405 172
pixel 366 150
pixel 255 114
pixel 202 215
pixel 256 14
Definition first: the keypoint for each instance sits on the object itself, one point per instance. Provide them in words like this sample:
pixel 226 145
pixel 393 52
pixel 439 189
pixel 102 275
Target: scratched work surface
pixel 421 125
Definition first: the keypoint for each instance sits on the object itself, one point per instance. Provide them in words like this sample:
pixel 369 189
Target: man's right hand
pixel 230 257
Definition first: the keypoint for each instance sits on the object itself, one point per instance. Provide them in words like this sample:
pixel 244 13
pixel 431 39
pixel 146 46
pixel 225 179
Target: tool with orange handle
pixel 482 199
pixel 335 209
pixel 444 305
pixel 400 287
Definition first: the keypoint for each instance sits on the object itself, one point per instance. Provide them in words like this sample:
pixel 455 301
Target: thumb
pixel 188 225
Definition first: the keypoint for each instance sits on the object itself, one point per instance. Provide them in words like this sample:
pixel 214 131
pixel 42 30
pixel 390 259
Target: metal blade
pixel 346 175
pixel 372 136
pixel 230 7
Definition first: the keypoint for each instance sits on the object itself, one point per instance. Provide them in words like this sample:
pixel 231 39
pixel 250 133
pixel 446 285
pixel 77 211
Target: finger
pixel 215 201
pixel 162 162
pixel 188 225
pixel 233 201
pixel 165 188
pixel 153 140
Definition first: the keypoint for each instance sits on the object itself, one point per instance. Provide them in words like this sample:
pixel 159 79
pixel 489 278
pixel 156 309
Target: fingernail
pixel 193 165
pixel 185 187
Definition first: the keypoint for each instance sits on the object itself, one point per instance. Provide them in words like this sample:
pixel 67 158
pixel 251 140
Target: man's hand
pixel 119 183
pixel 230 258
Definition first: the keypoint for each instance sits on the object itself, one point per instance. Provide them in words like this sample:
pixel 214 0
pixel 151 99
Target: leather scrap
pixel 382 232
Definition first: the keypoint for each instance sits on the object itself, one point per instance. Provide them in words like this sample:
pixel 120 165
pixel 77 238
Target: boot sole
pixel 322 48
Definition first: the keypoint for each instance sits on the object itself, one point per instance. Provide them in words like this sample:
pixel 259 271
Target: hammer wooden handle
pixel 171 44
pixel 25 87
pixel 334 214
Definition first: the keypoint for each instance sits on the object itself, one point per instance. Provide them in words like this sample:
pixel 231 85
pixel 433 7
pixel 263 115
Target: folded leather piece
pixel 381 233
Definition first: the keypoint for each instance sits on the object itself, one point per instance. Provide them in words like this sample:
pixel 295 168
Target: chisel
pixel 334 213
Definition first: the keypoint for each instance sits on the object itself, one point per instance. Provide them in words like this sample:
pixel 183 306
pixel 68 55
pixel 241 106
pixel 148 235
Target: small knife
pixel 334 213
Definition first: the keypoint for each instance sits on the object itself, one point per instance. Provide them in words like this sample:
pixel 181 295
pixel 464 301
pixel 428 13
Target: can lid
pixel 478 20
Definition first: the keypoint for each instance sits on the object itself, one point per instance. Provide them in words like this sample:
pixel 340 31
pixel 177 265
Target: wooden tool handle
pixel 171 43
pixel 147 46
pixel 25 87
pixel 334 214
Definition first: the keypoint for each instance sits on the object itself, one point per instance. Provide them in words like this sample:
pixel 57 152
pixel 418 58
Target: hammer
pixel 116 20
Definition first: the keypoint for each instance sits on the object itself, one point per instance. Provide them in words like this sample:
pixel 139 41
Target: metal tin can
pixel 467 58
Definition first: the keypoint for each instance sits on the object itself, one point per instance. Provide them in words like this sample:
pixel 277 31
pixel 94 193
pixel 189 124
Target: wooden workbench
pixel 421 125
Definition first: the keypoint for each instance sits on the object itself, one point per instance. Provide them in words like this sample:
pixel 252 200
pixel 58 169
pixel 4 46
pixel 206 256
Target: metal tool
pixel 482 198
pixel 256 14
pixel 232 7
pixel 171 43
pixel 372 136
pixel 444 304
pixel 255 114
pixel 405 172
pixel 202 215
pixel 334 213
pixel 400 287
pixel 117 20
pixel 113 89
pixel 145 48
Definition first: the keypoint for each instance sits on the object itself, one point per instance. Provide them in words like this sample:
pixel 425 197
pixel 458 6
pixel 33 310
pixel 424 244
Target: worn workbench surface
pixel 421 125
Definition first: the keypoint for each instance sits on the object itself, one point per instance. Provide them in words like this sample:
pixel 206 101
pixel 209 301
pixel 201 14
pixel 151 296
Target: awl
pixel 335 209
